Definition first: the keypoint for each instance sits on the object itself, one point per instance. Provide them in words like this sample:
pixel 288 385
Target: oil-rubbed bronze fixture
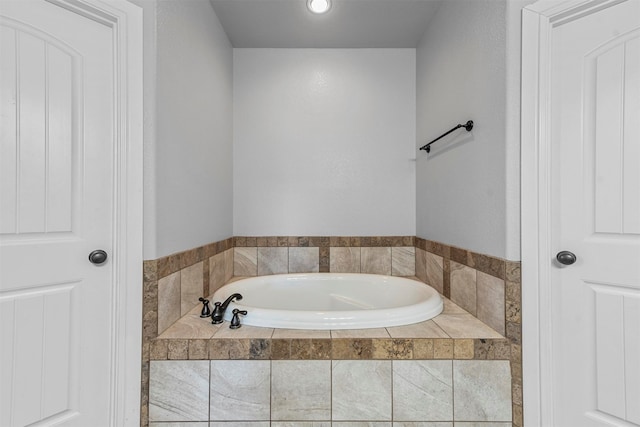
pixel 219 308
pixel 206 311
pixel 235 320
pixel 468 126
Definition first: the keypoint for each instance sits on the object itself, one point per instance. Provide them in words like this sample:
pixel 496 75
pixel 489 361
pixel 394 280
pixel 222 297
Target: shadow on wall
pixel 445 145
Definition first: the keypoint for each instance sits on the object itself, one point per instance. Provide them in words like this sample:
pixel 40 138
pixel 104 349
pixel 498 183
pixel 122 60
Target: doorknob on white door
pixel 566 257
pixel 98 257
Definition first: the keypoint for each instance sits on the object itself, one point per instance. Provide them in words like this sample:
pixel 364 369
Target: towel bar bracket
pixel 467 126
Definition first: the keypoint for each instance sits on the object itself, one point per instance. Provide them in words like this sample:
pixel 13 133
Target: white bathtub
pixel 331 301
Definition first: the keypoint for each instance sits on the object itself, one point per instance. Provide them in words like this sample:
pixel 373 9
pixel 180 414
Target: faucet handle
pixel 206 311
pixel 235 320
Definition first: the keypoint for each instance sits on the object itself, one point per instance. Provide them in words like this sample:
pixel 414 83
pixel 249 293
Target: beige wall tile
pixel 376 260
pixel 190 287
pixel 344 260
pixel 435 271
pixel 216 273
pixel 403 261
pixel 426 329
pixel 421 264
pixel 228 264
pixel 168 301
pixel 464 326
pixel 245 332
pixel 273 261
pixel 304 260
pixel 451 307
pixel 491 305
pixel 300 334
pixel 463 287
pixel 245 261
pixel 360 333
pixel 191 326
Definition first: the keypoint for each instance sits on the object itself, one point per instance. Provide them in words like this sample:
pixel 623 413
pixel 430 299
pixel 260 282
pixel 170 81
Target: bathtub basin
pixel 331 301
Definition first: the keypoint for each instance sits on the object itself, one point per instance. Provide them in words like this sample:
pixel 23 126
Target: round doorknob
pixel 98 257
pixel 566 257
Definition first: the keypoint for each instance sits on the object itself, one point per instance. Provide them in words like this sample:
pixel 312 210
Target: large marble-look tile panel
pixel 376 260
pixel 216 272
pixel 463 286
pixel 180 424
pixel 273 261
pixel 362 424
pixel 403 261
pixel 482 390
pixel 301 390
pixel 491 301
pixel 361 390
pixel 168 301
pixel 245 261
pixel 435 271
pixel 423 424
pixel 301 424
pixel 304 260
pixel 344 260
pixel 482 424
pixel 179 391
pixel 190 287
pixel 240 390
pixel 239 424
pixel 422 390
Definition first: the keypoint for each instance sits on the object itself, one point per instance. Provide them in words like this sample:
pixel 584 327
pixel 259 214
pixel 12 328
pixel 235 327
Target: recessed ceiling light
pixel 319 6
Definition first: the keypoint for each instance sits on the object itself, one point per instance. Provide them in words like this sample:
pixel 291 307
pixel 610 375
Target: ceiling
pixel 348 24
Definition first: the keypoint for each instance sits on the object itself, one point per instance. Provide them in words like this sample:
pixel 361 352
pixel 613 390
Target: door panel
pixel 37 181
pixel 595 99
pixel 57 154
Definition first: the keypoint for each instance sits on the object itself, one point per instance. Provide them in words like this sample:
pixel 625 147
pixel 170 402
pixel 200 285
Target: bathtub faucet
pixel 220 308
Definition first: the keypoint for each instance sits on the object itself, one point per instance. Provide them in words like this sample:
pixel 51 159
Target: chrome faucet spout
pixel 219 308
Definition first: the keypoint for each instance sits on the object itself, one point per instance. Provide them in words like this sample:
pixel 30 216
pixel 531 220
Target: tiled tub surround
pixel 487 287
pixel 229 391
pixel 451 368
pixel 173 282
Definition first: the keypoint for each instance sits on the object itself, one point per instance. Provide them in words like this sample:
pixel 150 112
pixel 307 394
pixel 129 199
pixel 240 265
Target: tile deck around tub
pixel 454 334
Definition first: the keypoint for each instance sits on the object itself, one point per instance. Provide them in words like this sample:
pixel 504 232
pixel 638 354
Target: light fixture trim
pixel 319 6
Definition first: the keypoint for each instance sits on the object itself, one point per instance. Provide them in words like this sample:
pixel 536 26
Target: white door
pixel 56 206
pixel 595 215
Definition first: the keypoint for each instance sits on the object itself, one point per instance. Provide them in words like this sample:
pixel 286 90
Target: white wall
pixel 188 162
pixel 324 142
pixel 462 196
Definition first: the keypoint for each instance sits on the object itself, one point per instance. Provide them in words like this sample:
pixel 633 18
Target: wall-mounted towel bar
pixel 468 126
